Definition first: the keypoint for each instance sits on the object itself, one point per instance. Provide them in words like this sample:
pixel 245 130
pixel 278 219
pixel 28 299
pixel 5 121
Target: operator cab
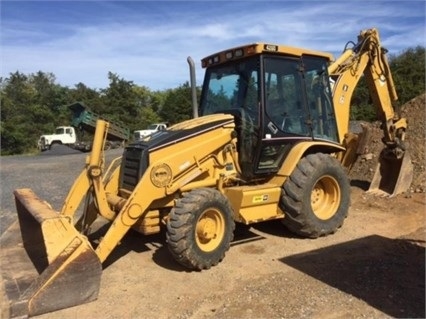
pixel 279 96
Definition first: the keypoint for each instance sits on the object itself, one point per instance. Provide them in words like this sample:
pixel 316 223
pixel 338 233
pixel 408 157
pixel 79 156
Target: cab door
pixel 322 119
pixel 297 106
pixel 285 117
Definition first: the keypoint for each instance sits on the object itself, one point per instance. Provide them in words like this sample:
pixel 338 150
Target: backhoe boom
pixel 368 58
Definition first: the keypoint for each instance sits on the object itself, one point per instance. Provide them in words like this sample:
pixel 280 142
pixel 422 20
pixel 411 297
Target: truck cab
pixel 63 135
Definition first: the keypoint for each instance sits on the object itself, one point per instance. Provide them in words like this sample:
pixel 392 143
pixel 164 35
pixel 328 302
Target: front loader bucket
pixel 393 175
pixel 46 264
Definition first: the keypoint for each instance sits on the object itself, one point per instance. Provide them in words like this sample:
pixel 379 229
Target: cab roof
pixel 259 48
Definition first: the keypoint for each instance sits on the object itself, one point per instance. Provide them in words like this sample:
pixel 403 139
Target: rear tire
pixel 316 196
pixel 200 228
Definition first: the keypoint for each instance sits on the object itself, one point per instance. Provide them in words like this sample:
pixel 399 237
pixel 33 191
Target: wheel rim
pixel 210 230
pixel 325 197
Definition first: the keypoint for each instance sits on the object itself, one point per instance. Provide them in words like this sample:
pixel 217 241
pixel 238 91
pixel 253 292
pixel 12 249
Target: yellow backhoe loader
pixel 271 142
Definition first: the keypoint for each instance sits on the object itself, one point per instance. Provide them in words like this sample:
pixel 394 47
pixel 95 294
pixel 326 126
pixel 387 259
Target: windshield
pixel 152 127
pixel 232 87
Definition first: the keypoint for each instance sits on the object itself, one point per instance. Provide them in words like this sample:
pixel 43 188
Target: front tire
pixel 200 228
pixel 316 196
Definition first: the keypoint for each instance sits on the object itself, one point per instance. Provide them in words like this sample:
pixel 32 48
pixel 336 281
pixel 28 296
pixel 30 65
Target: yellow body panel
pixel 196 155
pixel 255 203
pixel 149 223
pixel 294 156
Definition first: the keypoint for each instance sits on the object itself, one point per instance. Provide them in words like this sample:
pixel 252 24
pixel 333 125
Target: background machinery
pixel 83 121
pixel 271 142
pixel 152 128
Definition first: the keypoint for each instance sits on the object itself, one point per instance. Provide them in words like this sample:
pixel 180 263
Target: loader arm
pixel 59 267
pixel 58 256
pixel 368 58
pixel 204 159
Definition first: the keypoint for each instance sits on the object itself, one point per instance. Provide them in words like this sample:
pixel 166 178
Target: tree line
pixel 34 104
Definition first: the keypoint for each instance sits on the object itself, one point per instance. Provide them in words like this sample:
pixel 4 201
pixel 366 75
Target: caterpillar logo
pixel 161 175
pixel 260 199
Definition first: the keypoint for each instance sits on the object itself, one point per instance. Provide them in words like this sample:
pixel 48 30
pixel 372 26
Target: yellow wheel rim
pixel 325 197
pixel 210 230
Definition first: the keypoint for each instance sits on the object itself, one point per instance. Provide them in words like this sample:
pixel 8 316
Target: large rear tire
pixel 316 196
pixel 200 228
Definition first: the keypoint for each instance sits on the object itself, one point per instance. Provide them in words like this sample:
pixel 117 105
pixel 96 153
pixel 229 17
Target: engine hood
pixel 184 130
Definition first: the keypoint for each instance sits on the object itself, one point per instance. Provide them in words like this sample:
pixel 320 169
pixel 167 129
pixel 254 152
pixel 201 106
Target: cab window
pixel 283 97
pixel 319 98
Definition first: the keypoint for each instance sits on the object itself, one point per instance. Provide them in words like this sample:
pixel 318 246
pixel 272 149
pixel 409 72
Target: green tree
pixel 408 69
pixel 157 100
pixel 119 101
pixel 177 105
pixel 16 93
pixel 362 108
pixel 408 72
pixel 86 95
pixel 147 117
pixel 147 108
pixel 34 104
pixel 30 106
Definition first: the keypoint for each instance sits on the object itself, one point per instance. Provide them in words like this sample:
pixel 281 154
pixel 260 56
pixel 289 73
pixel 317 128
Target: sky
pixel 148 42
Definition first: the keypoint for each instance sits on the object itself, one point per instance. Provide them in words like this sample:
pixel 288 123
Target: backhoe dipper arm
pixel 394 171
pixel 367 58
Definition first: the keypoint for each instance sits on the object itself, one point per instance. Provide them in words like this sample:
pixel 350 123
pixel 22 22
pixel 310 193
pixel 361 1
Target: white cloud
pixel 152 50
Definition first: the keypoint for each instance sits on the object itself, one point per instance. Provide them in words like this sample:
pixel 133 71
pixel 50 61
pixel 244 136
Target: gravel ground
pixel 50 175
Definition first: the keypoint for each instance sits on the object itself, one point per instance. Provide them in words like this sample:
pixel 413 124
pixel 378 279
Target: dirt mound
pixel 414 112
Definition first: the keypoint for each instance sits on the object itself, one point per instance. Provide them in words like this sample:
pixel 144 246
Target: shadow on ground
pixel 364 185
pixel 388 274
pixel 138 243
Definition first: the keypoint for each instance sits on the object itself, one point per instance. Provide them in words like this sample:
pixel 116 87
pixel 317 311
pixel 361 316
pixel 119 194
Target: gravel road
pixel 49 174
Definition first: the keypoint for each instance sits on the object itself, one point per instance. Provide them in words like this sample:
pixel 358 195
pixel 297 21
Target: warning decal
pixel 260 198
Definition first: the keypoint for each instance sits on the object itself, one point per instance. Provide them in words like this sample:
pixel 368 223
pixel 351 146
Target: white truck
pixel 83 120
pixel 63 135
pixel 151 129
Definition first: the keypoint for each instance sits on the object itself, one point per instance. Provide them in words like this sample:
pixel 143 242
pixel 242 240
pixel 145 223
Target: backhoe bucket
pixel 393 175
pixel 46 264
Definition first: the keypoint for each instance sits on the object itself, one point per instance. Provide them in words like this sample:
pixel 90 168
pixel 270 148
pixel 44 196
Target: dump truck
pixel 83 121
pixel 271 143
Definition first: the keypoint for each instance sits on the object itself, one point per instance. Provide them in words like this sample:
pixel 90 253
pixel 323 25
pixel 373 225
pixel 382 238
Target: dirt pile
pixel 59 149
pixel 415 113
